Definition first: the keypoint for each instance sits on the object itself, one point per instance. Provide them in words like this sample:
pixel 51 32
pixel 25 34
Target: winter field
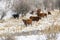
pixel 47 28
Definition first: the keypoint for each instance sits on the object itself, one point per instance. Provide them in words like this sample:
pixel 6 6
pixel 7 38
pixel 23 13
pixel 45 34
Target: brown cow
pixel 39 14
pixel 49 13
pixel 34 18
pixel 42 14
pixel 38 10
pixel 27 22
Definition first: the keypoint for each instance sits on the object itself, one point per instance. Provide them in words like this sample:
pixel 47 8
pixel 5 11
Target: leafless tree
pixel 21 8
pixel 3 14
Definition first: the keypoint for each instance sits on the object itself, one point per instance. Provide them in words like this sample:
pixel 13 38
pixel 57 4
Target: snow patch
pixel 31 37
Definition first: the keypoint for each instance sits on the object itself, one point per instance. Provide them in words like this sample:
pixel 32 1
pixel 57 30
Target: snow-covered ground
pixel 47 28
pixel 31 37
pixel 13 26
pixel 38 37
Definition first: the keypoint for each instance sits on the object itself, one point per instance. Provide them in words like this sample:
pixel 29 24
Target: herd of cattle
pixel 34 18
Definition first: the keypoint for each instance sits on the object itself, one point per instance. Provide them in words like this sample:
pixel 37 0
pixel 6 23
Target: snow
pixel 42 24
pixel 18 25
pixel 10 25
pixel 31 37
pixel 9 14
pixel 58 36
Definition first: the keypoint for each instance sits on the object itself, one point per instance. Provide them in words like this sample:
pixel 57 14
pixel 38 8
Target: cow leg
pixel 31 24
pixel 43 16
pixel 46 16
pixel 26 25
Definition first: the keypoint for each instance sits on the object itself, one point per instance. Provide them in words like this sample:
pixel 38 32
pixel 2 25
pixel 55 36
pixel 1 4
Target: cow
pixel 38 10
pixel 49 13
pixel 39 14
pixel 42 14
pixel 35 18
pixel 27 21
pixel 15 15
pixel 31 12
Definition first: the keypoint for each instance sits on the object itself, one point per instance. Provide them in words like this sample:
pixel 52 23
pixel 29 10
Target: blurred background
pixel 9 7
pixel 49 25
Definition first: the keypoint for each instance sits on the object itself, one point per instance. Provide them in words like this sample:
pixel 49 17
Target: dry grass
pixel 54 29
pixel 9 24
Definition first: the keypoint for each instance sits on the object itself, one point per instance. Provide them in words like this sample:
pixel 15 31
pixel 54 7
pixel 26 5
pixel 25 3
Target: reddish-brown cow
pixel 42 15
pixel 38 10
pixel 27 22
pixel 39 14
pixel 34 18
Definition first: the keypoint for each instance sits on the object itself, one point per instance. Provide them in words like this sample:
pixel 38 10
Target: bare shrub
pixel 22 8
pixel 3 14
